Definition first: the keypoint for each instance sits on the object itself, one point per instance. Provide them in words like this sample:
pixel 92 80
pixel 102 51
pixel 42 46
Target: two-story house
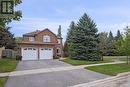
pixel 41 45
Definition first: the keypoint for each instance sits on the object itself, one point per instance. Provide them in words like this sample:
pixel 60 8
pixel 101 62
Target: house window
pixel 58 50
pixel 46 38
pixel 31 39
pixel 29 48
pixel 25 48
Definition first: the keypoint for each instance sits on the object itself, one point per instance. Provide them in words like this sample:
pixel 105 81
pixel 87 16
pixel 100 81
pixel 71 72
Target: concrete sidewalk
pixel 47 70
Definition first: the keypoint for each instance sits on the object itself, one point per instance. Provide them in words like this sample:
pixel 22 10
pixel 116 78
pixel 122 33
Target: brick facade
pixel 39 43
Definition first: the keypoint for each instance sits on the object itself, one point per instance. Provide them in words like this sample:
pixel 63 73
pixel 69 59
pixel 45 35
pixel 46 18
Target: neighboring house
pixel 40 45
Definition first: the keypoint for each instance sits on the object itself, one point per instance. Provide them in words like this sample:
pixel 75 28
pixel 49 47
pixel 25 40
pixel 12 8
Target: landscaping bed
pixel 112 69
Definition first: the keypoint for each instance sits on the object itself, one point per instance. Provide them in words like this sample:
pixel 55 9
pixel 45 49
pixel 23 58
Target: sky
pixel 40 14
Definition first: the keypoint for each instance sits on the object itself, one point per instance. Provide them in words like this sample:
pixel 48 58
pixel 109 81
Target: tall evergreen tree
pixel 110 45
pixel 70 37
pixel 70 32
pixel 7 38
pixel 118 36
pixel 84 43
pixel 110 37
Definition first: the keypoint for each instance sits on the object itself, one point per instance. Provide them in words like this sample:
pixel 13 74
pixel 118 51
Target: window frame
pixel 31 39
pixel 46 39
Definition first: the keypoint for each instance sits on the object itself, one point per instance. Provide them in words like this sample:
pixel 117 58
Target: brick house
pixel 42 44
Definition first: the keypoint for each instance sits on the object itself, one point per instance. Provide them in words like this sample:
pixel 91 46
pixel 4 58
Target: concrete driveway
pixel 27 65
pixel 51 79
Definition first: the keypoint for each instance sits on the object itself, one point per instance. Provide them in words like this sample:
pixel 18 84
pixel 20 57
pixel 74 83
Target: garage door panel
pixel 29 54
pixel 46 53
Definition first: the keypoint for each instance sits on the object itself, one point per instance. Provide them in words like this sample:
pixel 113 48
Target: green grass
pixel 112 69
pixel 85 62
pixel 7 65
pixel 2 81
pixel 120 58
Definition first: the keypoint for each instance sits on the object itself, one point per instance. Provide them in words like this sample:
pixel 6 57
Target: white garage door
pixel 29 53
pixel 46 53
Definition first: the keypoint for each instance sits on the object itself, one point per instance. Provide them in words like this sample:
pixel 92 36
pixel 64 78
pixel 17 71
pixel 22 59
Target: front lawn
pixel 85 62
pixel 118 58
pixel 112 69
pixel 2 81
pixel 6 65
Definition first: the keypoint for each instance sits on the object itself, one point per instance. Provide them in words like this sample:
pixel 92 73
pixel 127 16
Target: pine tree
pixel 110 45
pixel 70 38
pixel 110 37
pixel 84 42
pixel 7 39
pixel 70 32
pixel 118 36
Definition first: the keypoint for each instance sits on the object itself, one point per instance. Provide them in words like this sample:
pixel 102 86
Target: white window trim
pixel 31 39
pixel 46 39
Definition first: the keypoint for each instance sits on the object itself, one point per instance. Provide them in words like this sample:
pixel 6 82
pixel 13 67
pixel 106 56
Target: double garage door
pixel 35 53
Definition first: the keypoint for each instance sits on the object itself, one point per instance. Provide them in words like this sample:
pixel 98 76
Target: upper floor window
pixel 46 38
pixel 31 39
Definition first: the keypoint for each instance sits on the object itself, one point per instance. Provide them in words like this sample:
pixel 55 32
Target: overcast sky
pixel 39 14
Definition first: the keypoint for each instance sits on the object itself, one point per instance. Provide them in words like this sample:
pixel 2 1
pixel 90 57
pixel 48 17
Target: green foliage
pixel 118 36
pixel 7 39
pixel 126 43
pixel 17 16
pixel 18 40
pixel 119 46
pixel 70 33
pixel 83 39
pixel 66 49
pixel 70 36
pixel 56 56
pixel 110 45
pixel 103 42
pixel 123 44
